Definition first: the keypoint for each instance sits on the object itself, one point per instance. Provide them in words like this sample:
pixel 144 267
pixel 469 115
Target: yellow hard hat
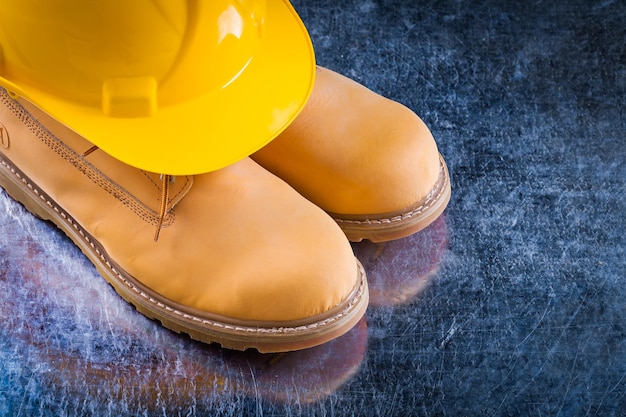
pixel 177 87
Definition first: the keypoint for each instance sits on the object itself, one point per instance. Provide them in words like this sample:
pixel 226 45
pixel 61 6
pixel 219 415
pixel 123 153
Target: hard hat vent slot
pixel 129 97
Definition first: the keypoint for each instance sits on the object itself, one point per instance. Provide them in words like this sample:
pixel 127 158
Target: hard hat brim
pixel 215 129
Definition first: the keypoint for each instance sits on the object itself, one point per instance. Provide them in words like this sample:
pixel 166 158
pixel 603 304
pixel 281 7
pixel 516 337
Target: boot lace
pixel 166 180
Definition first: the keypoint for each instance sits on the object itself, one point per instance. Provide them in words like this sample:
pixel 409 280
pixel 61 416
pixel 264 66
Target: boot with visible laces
pixel 234 256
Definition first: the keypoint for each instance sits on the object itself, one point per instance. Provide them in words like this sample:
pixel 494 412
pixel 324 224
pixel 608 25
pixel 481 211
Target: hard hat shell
pixel 171 86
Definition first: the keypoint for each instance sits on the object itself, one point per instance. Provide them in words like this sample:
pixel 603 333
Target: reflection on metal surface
pixel 400 270
pixel 67 340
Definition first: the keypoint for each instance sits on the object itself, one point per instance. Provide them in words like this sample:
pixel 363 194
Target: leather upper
pixel 237 242
pixel 352 151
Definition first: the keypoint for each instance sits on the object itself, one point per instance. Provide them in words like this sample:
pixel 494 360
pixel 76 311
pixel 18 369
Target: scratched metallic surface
pixel 512 303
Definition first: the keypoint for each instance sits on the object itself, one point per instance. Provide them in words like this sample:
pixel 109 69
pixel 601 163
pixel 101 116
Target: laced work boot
pixel 368 161
pixel 234 256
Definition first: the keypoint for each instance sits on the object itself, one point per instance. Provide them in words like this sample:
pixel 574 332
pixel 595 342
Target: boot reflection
pixel 173 377
pixel 302 376
pixel 400 270
pixel 71 346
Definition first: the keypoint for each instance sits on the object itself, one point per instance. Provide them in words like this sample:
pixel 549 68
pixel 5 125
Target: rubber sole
pixel 232 334
pixel 395 225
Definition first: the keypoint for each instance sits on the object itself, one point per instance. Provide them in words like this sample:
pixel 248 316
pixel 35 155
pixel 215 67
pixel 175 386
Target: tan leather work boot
pixel 241 258
pixel 370 162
